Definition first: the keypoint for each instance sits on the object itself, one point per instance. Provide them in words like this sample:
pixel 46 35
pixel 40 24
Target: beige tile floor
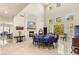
pixel 27 48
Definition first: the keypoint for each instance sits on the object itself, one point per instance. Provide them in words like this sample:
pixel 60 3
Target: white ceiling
pixel 11 9
pixel 46 4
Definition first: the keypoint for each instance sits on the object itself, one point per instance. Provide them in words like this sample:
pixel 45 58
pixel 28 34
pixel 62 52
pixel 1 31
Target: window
pixel 58 4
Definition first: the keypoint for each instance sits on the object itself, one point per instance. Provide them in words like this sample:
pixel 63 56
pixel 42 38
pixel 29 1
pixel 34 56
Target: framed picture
pixel 59 19
pixel 59 29
pixel 58 4
pixel 19 27
pixel 70 18
pixel 31 25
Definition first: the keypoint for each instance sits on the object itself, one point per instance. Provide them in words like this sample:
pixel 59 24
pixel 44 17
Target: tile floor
pixel 27 48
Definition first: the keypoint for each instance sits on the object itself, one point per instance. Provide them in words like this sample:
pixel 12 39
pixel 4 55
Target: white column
pixel 45 25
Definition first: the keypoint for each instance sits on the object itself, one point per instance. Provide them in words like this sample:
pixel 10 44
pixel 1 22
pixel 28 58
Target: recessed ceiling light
pixel 5 12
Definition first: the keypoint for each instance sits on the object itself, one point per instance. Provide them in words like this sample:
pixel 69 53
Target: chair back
pixel 51 38
pixel 36 38
pixel 41 37
pixel 56 38
pixel 46 38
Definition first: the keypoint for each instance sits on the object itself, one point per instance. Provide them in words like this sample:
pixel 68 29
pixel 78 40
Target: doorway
pixel 5 33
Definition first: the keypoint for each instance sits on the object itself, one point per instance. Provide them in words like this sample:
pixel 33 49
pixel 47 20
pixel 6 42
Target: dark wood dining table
pixel 19 38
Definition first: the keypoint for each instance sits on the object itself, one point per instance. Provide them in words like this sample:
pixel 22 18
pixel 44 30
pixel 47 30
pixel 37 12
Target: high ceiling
pixel 46 4
pixel 11 9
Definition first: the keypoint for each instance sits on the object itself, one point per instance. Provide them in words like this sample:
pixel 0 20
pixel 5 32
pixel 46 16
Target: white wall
pixel 31 10
pixel 18 21
pixel 63 11
pixel 8 22
pixel 5 20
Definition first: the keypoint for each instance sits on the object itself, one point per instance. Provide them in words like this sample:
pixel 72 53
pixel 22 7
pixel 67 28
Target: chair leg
pixel 43 45
pixel 53 45
pixel 56 44
pixel 38 45
pixel 48 45
pixel 33 42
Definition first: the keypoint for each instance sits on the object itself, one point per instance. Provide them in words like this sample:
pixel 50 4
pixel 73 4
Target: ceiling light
pixel 5 12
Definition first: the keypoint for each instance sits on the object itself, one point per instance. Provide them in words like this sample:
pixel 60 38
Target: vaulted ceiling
pixel 11 9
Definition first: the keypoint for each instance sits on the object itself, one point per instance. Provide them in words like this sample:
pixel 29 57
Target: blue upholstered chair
pixel 41 37
pixel 46 39
pixel 51 40
pixel 56 40
pixel 36 39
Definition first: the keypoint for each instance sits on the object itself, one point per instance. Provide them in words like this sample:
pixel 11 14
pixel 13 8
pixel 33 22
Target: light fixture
pixel 5 11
